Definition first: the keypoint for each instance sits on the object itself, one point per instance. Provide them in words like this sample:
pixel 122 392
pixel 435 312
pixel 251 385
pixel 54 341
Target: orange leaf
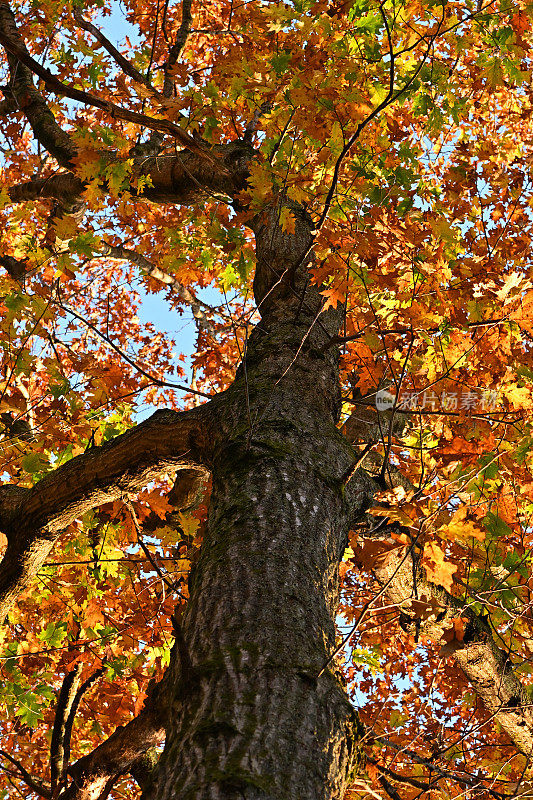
pixel 453 638
pixel 334 295
pixel 437 569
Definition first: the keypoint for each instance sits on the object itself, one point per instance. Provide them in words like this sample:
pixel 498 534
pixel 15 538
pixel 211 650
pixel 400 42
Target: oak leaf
pixel 438 570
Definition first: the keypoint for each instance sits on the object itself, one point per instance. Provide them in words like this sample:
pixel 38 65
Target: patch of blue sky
pixel 116 26
pixel 181 327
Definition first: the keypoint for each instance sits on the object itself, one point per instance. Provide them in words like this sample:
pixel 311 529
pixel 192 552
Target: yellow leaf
pixel 459 527
pixel 143 91
pixel 287 220
pixel 519 396
pixel 442 229
pixel 189 524
pixel 4 197
pixel 494 72
pixel 394 514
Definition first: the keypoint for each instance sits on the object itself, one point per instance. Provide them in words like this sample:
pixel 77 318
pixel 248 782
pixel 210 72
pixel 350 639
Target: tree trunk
pixel 251 716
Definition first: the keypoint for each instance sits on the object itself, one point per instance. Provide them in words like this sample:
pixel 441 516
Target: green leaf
pixel 281 62
pixel 54 634
pixel 59 389
pixel 494 72
pixel 33 463
pixel 241 268
pixel 496 526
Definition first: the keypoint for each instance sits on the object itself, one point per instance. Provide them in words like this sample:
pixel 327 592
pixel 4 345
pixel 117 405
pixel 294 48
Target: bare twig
pixel 36 786
pixel 143 547
pixel 130 361
pixel 198 308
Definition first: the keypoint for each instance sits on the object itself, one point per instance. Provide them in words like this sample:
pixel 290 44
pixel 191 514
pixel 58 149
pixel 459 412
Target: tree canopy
pixel 353 177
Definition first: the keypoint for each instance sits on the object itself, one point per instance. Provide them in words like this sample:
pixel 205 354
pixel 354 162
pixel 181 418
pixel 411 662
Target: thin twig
pixel 130 361
pixel 37 787
pixel 143 547
pixel 125 65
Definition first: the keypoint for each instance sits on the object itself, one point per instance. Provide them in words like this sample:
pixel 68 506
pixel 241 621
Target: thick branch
pixel 431 610
pixel 65 700
pixel 32 519
pixel 181 178
pixel 177 47
pixel 144 768
pixel 69 724
pixel 58 186
pixel 117 755
pixel 14 267
pixel 27 98
pixel 8 106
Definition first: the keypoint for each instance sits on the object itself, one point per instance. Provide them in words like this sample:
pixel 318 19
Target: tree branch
pixel 35 786
pixel 26 97
pixel 15 267
pixel 143 769
pixel 467 780
pixel 92 773
pixel 153 379
pixel 197 307
pixel 145 550
pixel 184 177
pixel 125 65
pixel 67 736
pixel 14 45
pixel 430 610
pixel 177 47
pixel 400 778
pixel 8 106
pixel 65 701
pixel 32 519
pixel 126 748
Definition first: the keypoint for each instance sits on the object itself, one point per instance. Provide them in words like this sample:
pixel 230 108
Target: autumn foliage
pixel 405 130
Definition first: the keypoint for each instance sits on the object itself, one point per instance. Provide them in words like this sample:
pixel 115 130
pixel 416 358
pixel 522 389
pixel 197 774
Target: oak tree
pixel 299 565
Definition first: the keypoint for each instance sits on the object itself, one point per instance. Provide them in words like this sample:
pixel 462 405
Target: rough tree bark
pixel 248 708
pixel 250 717
pixel 429 610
